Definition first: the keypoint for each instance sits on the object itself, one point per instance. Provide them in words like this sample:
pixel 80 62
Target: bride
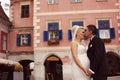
pixel 80 63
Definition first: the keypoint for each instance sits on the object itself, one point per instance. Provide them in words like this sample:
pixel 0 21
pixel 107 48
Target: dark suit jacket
pixel 97 56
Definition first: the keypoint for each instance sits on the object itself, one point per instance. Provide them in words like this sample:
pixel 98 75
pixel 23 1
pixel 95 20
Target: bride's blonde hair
pixel 74 30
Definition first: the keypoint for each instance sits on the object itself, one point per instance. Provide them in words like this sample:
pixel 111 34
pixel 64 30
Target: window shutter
pixel 29 39
pixel 112 33
pixel 60 34
pixel 18 40
pixel 69 35
pixel 97 33
pixel 45 35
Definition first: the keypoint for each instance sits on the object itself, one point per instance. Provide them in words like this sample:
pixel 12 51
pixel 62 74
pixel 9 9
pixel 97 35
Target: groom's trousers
pixel 100 78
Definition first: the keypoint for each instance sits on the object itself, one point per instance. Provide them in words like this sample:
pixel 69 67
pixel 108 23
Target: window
pixel 24 11
pixel 4 41
pixel 101 0
pixel 53 32
pixel 76 0
pixel 52 1
pixel 74 22
pixel 4 45
pixel 53 35
pixel 105 30
pixel 23 39
pixel 80 23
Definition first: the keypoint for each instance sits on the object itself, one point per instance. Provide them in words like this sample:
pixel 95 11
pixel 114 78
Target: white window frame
pixel 73 20
pixel 53 22
pixel 52 1
pixel 101 0
pixel 76 1
pixel 104 33
pixel 24 39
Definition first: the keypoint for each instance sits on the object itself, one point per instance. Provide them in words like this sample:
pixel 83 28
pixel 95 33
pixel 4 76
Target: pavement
pixel 114 78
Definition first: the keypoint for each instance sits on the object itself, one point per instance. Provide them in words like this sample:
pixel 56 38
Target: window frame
pixel 101 0
pixel 2 41
pixel 50 41
pixel 26 12
pixel 76 1
pixel 20 39
pixel 53 1
pixel 104 33
pixel 77 20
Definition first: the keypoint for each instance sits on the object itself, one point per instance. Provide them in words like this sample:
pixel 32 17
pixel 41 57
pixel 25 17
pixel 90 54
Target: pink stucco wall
pixel 67 5
pixel 22 22
pixel 90 18
pixel 63 6
pixel 3 28
pixel 21 25
pixel 14 48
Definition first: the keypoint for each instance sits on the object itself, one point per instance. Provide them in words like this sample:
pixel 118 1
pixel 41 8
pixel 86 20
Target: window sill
pixel 53 42
pixel 107 40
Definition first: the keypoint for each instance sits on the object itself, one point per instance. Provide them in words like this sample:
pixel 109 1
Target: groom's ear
pixel 91 32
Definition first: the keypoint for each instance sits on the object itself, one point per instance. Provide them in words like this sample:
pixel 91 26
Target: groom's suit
pixel 97 56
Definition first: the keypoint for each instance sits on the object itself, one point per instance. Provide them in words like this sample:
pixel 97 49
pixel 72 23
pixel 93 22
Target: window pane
pixel 52 1
pixel 53 33
pixel 104 34
pixel 101 0
pixel 80 23
pixel 76 0
pixel 103 24
pixel 24 11
pixel 4 42
pixel 24 39
pixel 53 26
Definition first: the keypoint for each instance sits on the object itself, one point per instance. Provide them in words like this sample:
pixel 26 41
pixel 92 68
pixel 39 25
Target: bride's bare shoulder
pixel 73 43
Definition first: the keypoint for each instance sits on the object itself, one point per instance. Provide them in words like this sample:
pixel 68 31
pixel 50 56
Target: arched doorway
pixel 53 68
pixel 113 63
pixel 26 68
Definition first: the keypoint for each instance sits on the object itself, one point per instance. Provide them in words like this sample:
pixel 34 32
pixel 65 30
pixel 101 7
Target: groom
pixel 96 54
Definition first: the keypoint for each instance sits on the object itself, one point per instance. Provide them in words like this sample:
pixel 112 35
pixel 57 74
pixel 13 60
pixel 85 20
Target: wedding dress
pixel 78 74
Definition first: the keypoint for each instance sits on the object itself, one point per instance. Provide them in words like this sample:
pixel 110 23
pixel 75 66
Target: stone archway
pixel 53 68
pixel 113 63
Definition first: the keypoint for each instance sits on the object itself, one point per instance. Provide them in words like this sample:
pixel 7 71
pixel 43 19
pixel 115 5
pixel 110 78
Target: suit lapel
pixel 91 42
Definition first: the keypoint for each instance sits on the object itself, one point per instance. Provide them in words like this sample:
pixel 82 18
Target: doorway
pixel 26 69
pixel 53 68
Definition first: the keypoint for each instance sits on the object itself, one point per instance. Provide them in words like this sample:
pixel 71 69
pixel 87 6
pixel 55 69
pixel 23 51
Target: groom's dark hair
pixel 92 28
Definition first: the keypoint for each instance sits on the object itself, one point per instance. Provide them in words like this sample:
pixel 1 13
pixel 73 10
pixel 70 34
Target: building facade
pixel 4 25
pixel 41 32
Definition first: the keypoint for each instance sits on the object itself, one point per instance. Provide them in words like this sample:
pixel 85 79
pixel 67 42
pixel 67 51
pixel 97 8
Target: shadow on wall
pixel 113 63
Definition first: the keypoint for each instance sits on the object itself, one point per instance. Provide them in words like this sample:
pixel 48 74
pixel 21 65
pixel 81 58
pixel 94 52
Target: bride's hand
pixel 87 72
pixel 90 72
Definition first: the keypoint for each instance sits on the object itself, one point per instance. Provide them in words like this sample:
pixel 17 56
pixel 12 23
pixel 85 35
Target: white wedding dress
pixel 78 74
